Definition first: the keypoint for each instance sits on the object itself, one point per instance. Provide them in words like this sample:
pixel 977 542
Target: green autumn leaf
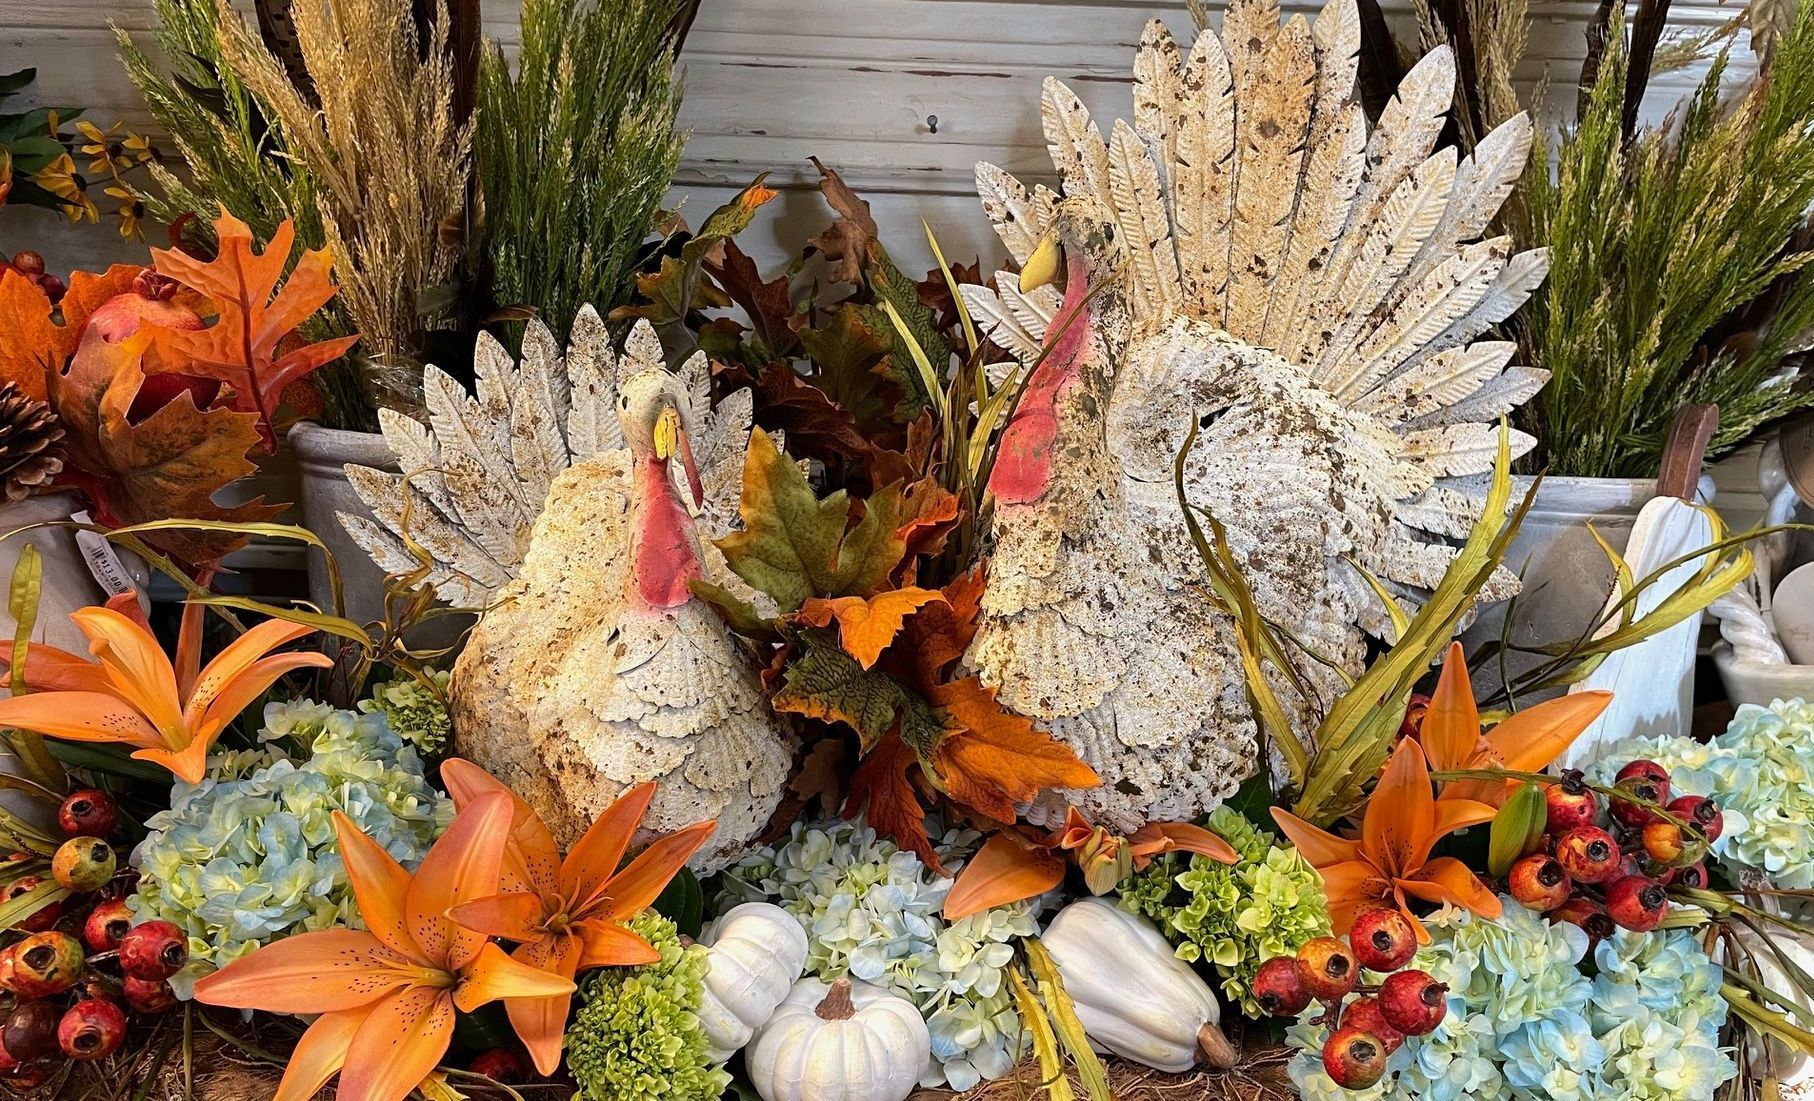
pixel 678 288
pixel 824 682
pixel 794 545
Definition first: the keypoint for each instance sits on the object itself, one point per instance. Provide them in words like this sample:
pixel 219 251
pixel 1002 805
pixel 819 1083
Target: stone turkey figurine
pixel 568 500
pixel 1245 255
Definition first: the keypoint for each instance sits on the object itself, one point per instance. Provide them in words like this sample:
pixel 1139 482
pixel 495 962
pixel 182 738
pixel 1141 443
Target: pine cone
pixel 31 443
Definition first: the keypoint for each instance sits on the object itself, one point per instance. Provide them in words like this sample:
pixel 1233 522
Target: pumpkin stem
pixel 837 1005
pixel 1215 1048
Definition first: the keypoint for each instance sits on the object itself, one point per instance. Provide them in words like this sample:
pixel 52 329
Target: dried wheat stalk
pixel 390 160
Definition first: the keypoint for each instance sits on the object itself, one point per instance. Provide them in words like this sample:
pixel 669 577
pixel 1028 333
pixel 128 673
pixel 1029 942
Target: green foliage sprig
pixel 1678 271
pixel 576 150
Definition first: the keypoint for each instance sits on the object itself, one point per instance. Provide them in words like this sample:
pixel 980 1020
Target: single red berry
pixel 1279 988
pixel 1327 968
pixel 84 864
pixel 93 1028
pixel 1700 812
pixel 1646 780
pixel 107 924
pixel 29 262
pixel 31 1031
pixel 89 812
pixel 502 1064
pixel 1665 842
pixel 27 1079
pixel 41 919
pixel 1572 804
pixel 1638 903
pixel 1539 882
pixel 1587 915
pixel 1354 1059
pixel 154 950
pixel 1382 939
pixel 146 995
pixel 1588 854
pixel 1694 875
pixel 1413 1002
pixel 45 964
pixel 1365 1014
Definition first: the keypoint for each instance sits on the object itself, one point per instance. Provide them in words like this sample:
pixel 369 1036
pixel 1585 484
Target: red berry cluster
pixel 66 995
pixel 1610 870
pixel 31 265
pixel 1363 1033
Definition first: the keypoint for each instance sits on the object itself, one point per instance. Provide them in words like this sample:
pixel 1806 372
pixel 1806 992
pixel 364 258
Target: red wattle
pixel 664 547
pixel 1023 465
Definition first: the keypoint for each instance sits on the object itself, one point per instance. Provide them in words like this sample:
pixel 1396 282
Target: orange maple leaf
pixel 255 316
pixel 37 345
pixel 883 792
pixel 998 760
pixel 866 626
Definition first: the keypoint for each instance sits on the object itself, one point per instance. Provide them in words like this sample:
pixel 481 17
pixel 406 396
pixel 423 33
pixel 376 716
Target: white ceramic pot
pixel 322 455
pixel 1566 575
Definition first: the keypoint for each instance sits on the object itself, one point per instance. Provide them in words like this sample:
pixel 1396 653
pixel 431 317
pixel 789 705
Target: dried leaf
pixel 254 317
pixel 882 791
pixel 676 289
pixel 820 777
pixel 866 626
pixel 846 352
pixel 769 304
pixel 940 633
pixel 998 760
pixel 824 682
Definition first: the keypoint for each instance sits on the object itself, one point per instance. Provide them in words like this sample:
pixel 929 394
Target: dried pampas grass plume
pixel 390 161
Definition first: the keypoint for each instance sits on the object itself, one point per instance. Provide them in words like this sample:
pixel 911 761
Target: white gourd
pixel 1134 997
pixel 849 1041
pixel 756 952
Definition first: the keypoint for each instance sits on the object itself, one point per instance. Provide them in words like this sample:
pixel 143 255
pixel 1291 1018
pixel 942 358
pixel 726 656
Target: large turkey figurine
pixel 1246 256
pixel 568 500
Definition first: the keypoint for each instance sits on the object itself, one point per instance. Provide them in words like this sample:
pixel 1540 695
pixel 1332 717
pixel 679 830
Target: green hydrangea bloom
pixel 1233 917
pixel 415 711
pixel 249 855
pixel 637 1033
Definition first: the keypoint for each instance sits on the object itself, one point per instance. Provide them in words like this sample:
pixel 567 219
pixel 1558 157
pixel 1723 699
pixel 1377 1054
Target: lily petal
pixel 1162 837
pixel 380 885
pixel 1351 886
pixel 1447 879
pixel 1401 813
pixel 595 858
pixel 1317 845
pixel 532 862
pixel 319 1055
pixel 1451 815
pixel 608 944
pixel 51 669
pixel 541 1023
pixel 189 764
pixel 462 866
pixel 512 915
pixel 226 701
pixel 323 972
pixel 401 1042
pixel 188 661
pixel 636 888
pixel 80 717
pixel 1533 738
pixel 493 975
pixel 240 655
pixel 1006 869
pixel 1451 727
pixel 135 663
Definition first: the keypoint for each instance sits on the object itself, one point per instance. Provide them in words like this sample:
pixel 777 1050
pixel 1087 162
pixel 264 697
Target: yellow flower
pixel 97 145
pixel 60 179
pixel 132 209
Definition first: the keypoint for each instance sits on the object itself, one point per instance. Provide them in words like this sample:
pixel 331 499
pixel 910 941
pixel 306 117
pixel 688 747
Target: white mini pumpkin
pixel 1133 995
pixel 756 951
pixel 849 1041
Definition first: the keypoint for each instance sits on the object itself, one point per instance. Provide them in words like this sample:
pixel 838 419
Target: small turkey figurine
pixel 568 501
pixel 1248 257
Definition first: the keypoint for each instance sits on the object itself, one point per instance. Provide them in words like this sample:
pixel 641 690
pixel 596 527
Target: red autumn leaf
pixel 938 634
pixel 36 344
pixel 928 514
pixel 999 760
pixel 769 304
pixel 254 316
pixel 882 791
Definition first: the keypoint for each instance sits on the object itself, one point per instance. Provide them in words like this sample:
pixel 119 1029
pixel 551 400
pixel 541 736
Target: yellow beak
pixel 667 433
pixel 1041 268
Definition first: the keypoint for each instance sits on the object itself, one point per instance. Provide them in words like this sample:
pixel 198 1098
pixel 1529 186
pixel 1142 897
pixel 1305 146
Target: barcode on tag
pixel 103 561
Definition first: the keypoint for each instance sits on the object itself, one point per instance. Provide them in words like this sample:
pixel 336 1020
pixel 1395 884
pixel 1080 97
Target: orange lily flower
pixel 1012 866
pixel 1391 857
pixel 567 915
pixel 172 713
pixel 387 997
pixel 1528 741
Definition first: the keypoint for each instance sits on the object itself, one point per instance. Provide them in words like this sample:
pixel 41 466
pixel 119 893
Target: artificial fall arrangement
pixel 1029 680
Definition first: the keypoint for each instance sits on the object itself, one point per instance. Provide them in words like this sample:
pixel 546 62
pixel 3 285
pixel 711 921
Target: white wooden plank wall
pixel 773 82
